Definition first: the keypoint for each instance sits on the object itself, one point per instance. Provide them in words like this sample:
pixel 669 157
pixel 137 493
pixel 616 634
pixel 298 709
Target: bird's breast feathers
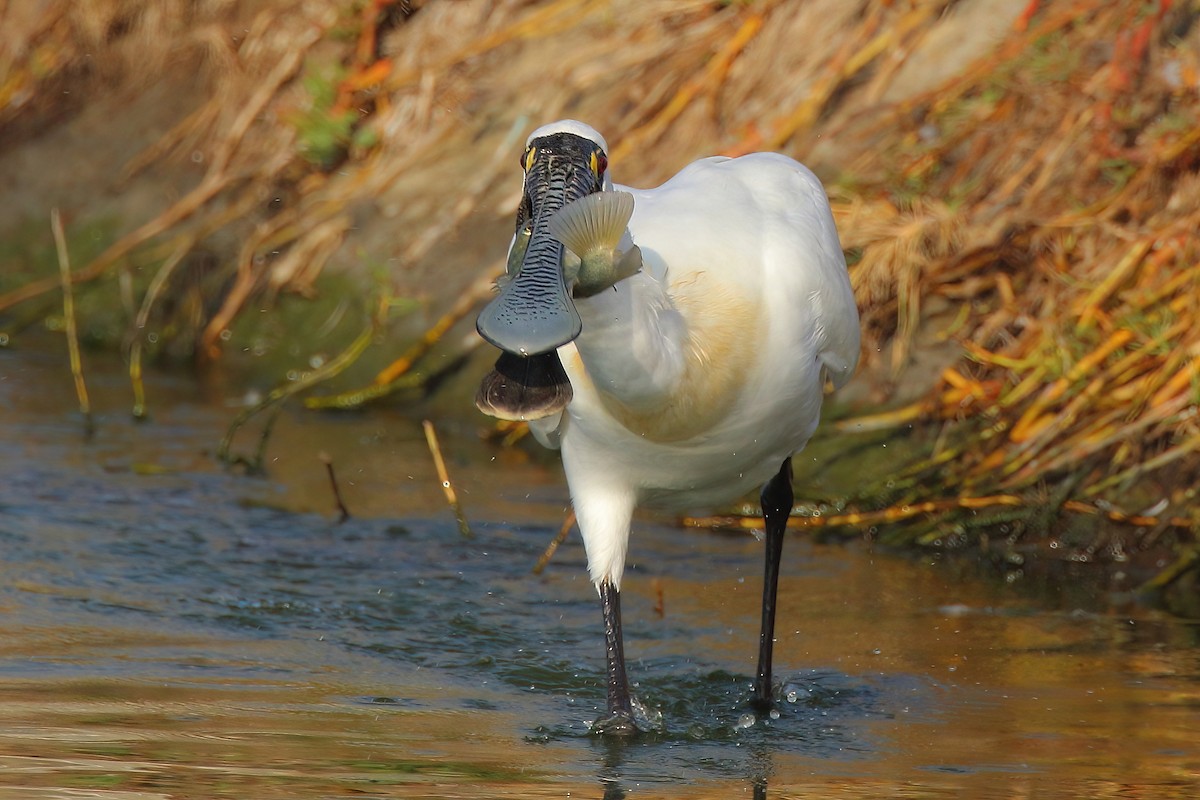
pixel 742 292
pixel 714 360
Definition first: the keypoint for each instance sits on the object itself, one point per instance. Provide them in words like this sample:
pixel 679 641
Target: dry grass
pixel 1036 205
pixel 1069 254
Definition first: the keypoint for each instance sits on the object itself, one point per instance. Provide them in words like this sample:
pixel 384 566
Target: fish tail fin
pixel 597 221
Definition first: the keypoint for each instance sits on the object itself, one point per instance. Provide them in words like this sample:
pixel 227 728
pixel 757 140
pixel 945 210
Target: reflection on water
pixel 170 630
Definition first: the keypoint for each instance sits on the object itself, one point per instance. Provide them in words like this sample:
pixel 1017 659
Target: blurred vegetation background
pixel 323 189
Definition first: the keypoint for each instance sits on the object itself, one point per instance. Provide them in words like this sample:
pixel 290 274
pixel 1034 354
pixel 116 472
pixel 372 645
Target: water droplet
pixel 646 718
pixel 745 721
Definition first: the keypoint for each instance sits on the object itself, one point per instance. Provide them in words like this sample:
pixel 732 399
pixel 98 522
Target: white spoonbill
pixel 675 343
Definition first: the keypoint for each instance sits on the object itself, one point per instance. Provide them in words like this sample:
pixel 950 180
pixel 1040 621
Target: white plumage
pixel 696 378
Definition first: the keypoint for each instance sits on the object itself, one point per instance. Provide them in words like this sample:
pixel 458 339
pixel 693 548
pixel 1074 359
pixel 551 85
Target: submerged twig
pixel 343 512
pixel 890 514
pixel 1187 561
pixel 281 393
pixel 391 377
pixel 554 543
pixel 901 512
pixel 135 350
pixel 64 269
pixel 447 488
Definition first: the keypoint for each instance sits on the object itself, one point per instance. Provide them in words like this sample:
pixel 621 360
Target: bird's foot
pixel 638 718
pixel 763 704
pixel 616 723
pixel 766 695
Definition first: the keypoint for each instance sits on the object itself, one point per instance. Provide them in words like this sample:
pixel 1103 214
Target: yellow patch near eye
pixel 595 164
pixel 529 154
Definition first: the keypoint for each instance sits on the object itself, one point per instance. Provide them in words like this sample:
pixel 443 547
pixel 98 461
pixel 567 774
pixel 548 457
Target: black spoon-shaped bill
pixel 534 312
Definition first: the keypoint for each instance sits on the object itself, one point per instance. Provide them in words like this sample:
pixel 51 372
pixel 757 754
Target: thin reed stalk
pixel 72 331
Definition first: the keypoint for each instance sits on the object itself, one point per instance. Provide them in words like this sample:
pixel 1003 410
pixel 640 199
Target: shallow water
pixel 173 630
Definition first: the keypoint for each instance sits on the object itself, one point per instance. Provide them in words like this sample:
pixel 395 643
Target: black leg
pixel 619 719
pixel 777 507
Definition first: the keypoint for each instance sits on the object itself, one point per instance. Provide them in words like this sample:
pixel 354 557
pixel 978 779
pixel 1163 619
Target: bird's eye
pixel 601 164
